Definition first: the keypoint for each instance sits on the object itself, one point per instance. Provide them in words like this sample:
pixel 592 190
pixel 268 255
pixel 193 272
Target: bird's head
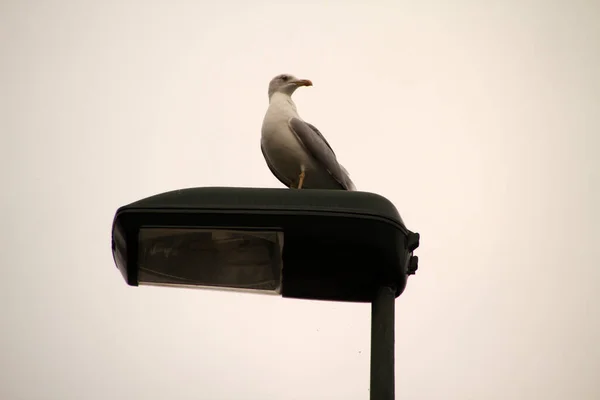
pixel 287 84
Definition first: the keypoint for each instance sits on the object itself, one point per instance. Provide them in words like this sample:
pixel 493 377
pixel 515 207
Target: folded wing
pixel 317 146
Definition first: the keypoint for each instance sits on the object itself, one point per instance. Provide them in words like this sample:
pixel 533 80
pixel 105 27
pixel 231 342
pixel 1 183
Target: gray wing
pixel 318 147
pixel 314 128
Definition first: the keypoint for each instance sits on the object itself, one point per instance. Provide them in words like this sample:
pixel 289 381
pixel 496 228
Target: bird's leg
pixel 301 179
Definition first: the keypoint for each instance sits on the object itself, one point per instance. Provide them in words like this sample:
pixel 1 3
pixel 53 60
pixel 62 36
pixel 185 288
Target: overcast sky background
pixel 478 120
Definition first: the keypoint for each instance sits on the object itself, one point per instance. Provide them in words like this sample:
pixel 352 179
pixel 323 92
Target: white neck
pixel 283 101
pixel 279 96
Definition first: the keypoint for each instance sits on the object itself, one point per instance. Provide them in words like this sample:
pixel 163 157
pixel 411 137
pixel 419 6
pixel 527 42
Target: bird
pixel 295 151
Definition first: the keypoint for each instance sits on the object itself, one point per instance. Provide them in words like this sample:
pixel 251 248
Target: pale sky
pixel 479 121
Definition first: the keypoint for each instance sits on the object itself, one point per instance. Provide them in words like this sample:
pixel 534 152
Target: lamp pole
pixel 382 344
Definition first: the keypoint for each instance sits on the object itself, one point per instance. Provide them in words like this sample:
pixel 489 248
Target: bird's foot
pixel 301 180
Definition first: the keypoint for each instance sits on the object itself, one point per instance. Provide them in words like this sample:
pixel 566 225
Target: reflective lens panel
pixel 219 259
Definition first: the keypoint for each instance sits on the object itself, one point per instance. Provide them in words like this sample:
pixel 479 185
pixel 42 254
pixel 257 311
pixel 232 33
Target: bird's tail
pixel 348 182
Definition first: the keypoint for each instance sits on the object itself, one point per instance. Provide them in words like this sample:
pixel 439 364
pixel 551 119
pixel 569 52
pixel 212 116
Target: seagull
pixel 295 151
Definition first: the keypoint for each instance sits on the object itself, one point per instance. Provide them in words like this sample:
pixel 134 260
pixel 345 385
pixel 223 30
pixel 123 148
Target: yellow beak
pixel 303 82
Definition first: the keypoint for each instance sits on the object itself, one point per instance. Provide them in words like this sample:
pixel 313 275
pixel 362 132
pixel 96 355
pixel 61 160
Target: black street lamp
pixel 307 244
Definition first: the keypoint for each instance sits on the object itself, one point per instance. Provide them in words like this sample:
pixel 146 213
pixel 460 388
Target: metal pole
pixel 382 344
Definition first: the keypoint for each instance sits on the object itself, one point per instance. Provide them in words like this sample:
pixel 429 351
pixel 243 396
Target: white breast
pixel 277 138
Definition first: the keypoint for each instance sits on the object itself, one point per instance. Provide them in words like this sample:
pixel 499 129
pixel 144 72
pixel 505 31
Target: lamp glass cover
pixel 241 260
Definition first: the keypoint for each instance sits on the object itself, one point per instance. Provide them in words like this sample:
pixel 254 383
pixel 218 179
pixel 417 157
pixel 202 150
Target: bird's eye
pixel 284 78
